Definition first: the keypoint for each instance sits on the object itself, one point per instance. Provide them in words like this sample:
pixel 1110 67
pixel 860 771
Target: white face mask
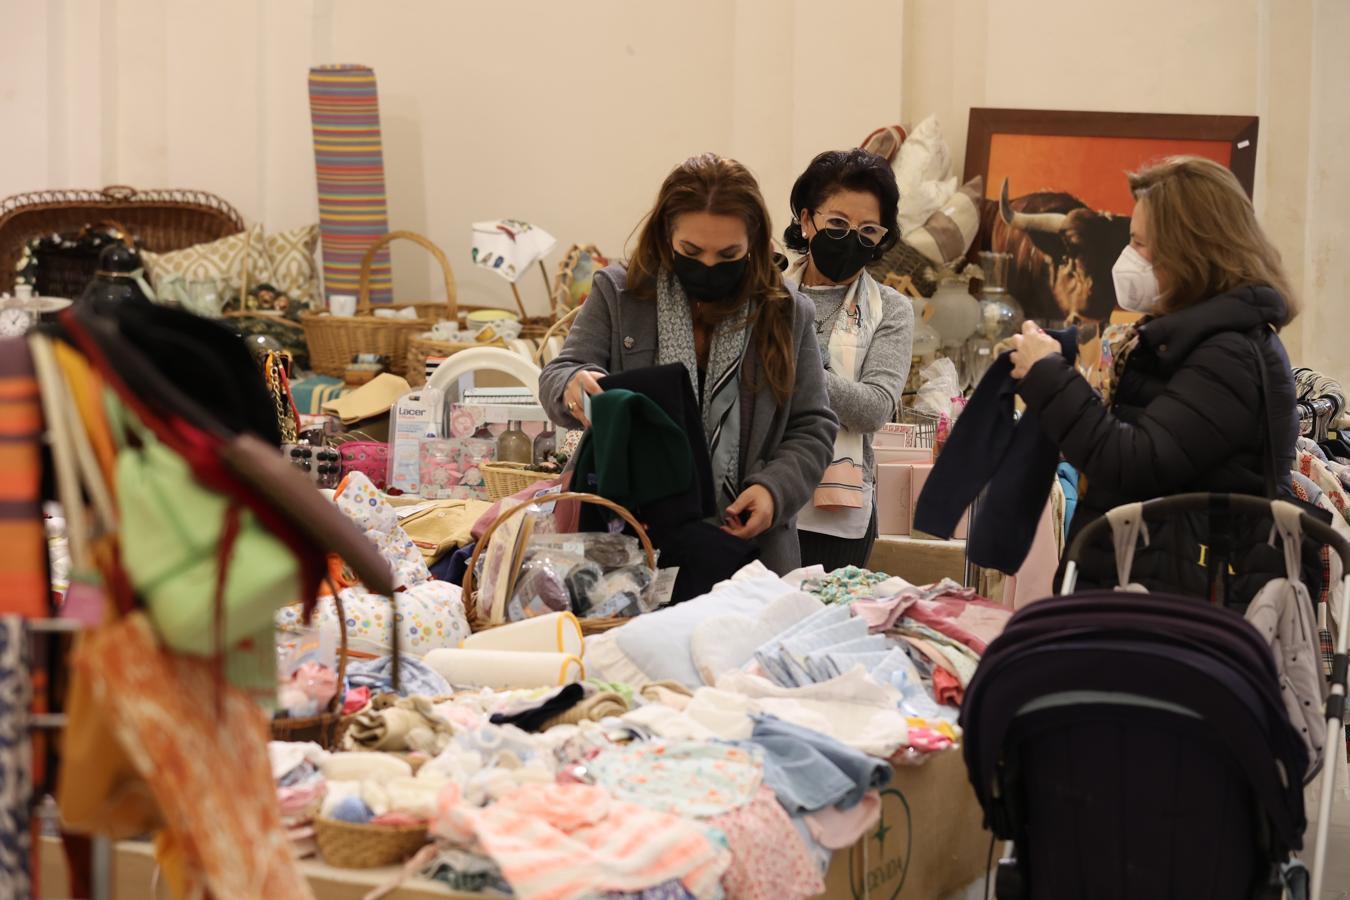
pixel 1136 285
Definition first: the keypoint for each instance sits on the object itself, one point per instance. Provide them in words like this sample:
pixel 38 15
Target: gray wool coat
pixel 785 449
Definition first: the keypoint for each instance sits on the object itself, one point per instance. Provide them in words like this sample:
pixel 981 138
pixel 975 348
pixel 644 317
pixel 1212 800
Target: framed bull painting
pixel 1057 200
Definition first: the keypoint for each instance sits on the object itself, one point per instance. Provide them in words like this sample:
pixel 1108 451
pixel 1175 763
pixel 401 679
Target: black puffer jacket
pixel 1188 414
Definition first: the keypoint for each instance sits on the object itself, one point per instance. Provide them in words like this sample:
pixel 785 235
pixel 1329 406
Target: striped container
pixel 353 211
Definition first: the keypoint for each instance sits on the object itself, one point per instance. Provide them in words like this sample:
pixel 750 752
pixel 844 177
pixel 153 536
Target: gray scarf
pixel 721 400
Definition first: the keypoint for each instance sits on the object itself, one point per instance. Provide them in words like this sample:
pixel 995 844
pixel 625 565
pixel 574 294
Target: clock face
pixel 14 322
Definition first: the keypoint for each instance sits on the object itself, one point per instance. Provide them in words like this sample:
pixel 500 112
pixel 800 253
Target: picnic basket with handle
pixel 159 220
pixel 497 615
pixel 334 340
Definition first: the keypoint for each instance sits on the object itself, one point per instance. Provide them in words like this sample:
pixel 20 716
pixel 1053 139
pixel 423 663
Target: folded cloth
pixel 443 527
pixel 569 841
pixel 410 724
pixel 592 709
pixel 852 708
pixel 723 643
pixel 415 678
pixel 809 770
pixel 370 399
pixel 535 717
pixel 946 688
pixel 836 828
pixel 769 859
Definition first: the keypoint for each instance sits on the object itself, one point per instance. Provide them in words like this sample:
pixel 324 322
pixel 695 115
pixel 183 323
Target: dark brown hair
pixel 1203 234
pixel 709 183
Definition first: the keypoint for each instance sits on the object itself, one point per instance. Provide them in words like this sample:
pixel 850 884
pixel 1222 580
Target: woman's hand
pixel 582 383
pixel 1030 347
pixel 751 514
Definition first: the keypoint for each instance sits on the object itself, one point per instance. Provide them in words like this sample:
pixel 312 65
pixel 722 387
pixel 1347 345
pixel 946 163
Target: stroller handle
pixel 1241 503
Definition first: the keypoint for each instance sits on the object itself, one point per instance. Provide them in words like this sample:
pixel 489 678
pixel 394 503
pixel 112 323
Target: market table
pixel 929 844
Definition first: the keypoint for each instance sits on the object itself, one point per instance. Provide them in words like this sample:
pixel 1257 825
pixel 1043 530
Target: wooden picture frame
pixel 1066 216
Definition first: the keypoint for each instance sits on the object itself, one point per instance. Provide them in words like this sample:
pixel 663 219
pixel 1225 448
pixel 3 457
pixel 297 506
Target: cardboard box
pixel 893 498
pixel 930 841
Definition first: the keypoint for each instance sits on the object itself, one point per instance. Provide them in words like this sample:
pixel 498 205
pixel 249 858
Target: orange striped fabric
pixel 24 584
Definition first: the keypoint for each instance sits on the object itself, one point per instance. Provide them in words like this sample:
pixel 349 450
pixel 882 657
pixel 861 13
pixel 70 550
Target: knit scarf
pixel 840 502
pixel 720 400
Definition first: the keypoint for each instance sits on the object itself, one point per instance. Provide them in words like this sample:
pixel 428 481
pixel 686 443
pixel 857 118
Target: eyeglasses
pixel 837 228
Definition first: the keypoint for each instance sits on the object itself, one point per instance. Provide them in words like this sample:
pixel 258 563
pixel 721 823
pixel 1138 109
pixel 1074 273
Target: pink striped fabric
pixel 569 841
pixel 353 210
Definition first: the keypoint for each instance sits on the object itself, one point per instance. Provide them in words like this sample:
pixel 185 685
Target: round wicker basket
pixel 498 613
pixel 352 845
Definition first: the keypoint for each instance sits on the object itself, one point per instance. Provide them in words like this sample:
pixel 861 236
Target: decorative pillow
pixel 950 231
pixel 295 270
pixel 231 260
pixel 922 172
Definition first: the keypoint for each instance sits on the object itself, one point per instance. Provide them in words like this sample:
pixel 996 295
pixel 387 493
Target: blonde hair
pixel 1204 235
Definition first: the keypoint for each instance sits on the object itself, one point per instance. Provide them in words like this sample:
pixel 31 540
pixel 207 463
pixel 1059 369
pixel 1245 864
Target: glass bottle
pixel 545 444
pixel 513 445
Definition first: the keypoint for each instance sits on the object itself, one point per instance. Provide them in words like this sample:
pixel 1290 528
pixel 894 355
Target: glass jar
pixel 545 444
pixel 1001 315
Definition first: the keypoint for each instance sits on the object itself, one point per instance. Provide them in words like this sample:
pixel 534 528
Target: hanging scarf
pixel 841 505
pixel 720 399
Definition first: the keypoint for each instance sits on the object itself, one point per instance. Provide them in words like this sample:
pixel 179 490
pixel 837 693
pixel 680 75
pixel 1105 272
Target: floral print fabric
pixel 692 779
pixel 769 859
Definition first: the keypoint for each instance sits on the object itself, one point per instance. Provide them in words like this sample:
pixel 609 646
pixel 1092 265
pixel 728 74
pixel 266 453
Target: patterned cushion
pixel 295 271
pixel 950 231
pixel 233 260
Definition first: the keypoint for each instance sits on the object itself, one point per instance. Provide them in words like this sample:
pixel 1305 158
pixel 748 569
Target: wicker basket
pixel 498 615
pixel 504 479
pixel 161 220
pixel 351 845
pixel 421 348
pixel 334 340
pixel 325 729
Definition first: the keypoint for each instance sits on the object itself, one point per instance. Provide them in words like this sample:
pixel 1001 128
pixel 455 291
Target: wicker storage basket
pixel 421 348
pixel 351 845
pixel 498 615
pixel 162 220
pixel 506 478
pixel 334 340
pixel 325 729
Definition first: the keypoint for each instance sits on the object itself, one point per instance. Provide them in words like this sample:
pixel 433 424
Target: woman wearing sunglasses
pixel 844 209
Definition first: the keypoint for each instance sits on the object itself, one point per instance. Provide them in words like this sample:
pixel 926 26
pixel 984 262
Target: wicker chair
pixel 159 220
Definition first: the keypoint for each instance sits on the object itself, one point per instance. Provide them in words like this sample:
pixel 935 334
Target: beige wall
pixel 568 114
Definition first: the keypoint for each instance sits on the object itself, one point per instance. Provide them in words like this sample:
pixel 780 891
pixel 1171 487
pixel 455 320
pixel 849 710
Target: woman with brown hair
pixel 701 289
pixel 1200 396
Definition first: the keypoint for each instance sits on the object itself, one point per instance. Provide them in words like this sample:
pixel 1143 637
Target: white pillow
pixel 923 174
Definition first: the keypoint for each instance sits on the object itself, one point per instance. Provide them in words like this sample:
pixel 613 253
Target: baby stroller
pixel 1133 745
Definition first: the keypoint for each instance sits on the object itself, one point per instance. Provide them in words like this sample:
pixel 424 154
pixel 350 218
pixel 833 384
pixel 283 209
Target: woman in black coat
pixel 1200 397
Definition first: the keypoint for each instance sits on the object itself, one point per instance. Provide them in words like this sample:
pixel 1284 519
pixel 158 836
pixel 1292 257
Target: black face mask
pixel 704 282
pixel 839 259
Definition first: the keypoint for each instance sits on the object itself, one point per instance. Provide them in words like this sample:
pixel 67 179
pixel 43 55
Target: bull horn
pixel 1049 222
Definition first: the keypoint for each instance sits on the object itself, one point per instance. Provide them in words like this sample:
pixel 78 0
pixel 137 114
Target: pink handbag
pixel 370 458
